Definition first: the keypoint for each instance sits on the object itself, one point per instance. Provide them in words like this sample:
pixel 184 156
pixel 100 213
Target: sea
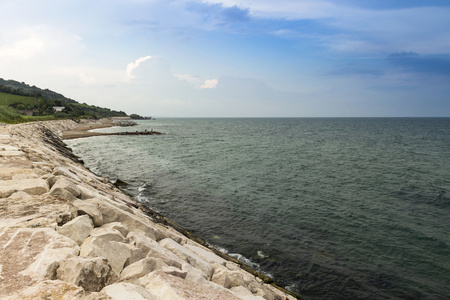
pixel 330 208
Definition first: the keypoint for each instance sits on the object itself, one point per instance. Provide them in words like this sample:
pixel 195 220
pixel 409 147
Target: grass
pixel 10 116
pixel 8 99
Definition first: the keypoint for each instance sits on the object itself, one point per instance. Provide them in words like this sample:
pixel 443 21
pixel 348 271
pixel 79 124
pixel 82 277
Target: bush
pixel 10 115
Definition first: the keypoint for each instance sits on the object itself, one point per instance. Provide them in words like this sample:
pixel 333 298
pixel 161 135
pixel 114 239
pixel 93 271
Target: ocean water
pixel 329 208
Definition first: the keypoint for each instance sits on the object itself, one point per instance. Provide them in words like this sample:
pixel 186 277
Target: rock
pixel 86 193
pixel 29 186
pixel 187 255
pixel 123 229
pixel 117 253
pixel 62 171
pixel 164 286
pixel 124 290
pixel 195 275
pixel 78 229
pixel 112 213
pixel 39 223
pixel 30 254
pixel 151 248
pixel 244 293
pixel 227 278
pixel 136 255
pixel 204 253
pixel 9 173
pixel 169 270
pixel 141 268
pixel 65 189
pixel 108 233
pixel 92 273
pixel 51 290
pixel 90 209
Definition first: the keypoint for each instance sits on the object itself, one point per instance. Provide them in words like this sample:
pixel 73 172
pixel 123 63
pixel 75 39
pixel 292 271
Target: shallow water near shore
pixel 330 208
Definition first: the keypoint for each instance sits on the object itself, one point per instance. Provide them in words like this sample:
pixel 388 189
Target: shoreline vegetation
pixel 64 231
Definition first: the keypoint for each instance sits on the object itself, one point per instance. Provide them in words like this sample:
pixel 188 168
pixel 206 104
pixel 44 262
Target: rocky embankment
pixel 66 233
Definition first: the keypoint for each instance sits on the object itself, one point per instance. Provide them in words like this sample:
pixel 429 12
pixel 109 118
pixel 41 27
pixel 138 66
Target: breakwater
pixel 68 233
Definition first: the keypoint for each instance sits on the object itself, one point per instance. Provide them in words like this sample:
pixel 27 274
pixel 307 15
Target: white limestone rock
pixel 29 186
pixel 92 273
pixel 62 171
pixel 164 286
pixel 113 213
pixel 54 248
pixel 90 209
pixel 187 255
pixel 115 252
pixel 141 268
pixel 108 233
pixel 78 229
pixel 49 289
pixel 228 278
pixel 151 248
pixel 65 189
pixel 128 291
pixel 204 253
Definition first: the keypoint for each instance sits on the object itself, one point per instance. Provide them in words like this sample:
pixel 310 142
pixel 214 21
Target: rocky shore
pixel 66 233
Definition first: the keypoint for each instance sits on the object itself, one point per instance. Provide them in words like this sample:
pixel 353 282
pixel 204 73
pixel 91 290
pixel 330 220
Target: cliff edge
pixel 66 233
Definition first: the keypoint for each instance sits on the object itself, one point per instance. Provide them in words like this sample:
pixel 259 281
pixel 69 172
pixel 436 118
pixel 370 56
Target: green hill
pixel 17 99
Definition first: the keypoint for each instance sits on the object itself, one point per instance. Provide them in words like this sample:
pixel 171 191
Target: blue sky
pixel 235 58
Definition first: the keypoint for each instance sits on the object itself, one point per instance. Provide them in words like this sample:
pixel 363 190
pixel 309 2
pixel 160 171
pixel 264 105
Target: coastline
pixel 46 192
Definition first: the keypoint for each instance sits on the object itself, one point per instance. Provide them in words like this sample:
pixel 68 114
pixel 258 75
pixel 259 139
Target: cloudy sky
pixel 235 58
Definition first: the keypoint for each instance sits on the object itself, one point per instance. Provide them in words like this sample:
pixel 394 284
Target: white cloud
pixel 131 66
pixel 210 84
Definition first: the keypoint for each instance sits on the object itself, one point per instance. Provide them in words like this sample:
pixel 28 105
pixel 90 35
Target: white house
pixel 58 108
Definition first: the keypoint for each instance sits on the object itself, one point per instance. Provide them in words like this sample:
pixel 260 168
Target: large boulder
pixel 92 273
pixel 50 289
pixel 65 189
pixel 90 209
pixel 29 186
pixel 164 286
pixel 141 268
pixel 152 249
pixel 115 252
pixel 123 214
pixel 108 234
pixel 204 253
pixel 31 254
pixel 187 255
pixel 78 229
pixel 227 278
pixel 125 290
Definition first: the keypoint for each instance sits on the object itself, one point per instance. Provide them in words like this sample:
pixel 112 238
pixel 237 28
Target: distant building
pixel 58 108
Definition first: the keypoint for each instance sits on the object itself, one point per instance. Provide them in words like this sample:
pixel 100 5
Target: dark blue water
pixel 330 208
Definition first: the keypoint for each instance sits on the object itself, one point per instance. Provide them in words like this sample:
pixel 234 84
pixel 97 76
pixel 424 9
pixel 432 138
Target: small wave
pixel 244 260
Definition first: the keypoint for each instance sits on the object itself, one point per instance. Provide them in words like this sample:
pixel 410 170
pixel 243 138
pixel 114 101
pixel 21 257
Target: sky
pixel 235 58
